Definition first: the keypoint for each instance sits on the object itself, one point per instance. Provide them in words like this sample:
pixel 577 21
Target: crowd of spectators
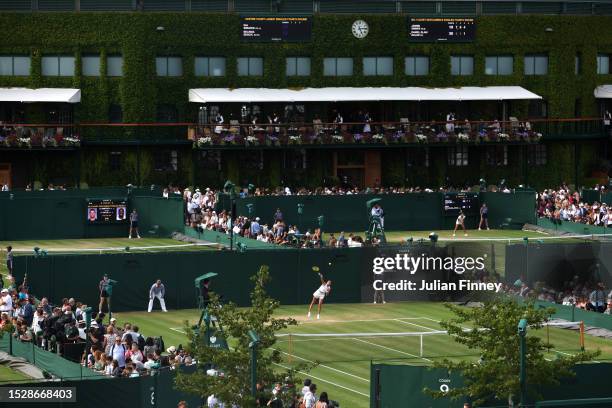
pixel 356 126
pixel 117 351
pixel 565 205
pixel 584 294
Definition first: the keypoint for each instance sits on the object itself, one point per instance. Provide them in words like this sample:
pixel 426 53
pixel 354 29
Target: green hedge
pixel 134 35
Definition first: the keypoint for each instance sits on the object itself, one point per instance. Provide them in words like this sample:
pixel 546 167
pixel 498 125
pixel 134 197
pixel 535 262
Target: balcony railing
pixel 293 134
pixel 385 133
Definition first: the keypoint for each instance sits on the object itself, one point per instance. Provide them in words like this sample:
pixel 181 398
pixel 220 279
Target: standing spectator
pixel 9 259
pixel 310 399
pixel 26 311
pixel 219 120
pixel 117 351
pixel 306 387
pixel 278 215
pixel 338 120
pixel 158 290
pixel 255 228
pixel 134 224
pixel 6 302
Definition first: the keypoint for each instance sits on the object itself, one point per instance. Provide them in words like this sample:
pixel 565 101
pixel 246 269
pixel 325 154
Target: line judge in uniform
pixel 158 290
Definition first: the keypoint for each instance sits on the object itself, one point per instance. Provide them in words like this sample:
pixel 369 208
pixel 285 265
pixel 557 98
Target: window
pixel 536 64
pixel 295 159
pixel 90 65
pixel 14 65
pixel 298 66
pixel 210 159
pixel 577 65
pixel 114 161
pixel 417 157
pixel 115 113
pixel 58 65
pixel 169 66
pixel 462 65
pixel 250 66
pixel 499 65
pixel 377 66
pixel 537 108
pixel 114 65
pixel 337 66
pixel 603 64
pixel 417 65
pixel 166 160
pixel 166 113
pixel 458 156
pixel 537 155
pixel 497 156
pixel 210 66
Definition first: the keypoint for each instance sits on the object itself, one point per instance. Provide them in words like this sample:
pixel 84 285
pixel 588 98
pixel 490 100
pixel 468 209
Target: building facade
pixel 136 62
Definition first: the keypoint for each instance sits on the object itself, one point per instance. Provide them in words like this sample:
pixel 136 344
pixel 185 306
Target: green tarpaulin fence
pixel 62 214
pixel 224 239
pixel 402 385
pixel 45 360
pixel 573 227
pixel 139 392
pixel 412 211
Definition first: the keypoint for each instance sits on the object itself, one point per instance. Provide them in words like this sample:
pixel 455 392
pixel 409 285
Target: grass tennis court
pixel 345 361
pixel 105 245
pixel 501 236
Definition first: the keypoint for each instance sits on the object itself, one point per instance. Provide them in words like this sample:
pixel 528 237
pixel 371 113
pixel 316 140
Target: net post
pixel 582 335
pixel 421 346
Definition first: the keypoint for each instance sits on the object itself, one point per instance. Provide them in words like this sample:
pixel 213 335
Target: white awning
pixel 469 93
pixel 28 95
pixel 603 92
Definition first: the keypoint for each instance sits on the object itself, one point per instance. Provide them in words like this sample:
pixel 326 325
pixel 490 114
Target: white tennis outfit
pixel 460 219
pixel 322 291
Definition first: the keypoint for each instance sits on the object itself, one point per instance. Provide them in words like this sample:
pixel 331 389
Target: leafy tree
pixel 494 334
pixel 232 386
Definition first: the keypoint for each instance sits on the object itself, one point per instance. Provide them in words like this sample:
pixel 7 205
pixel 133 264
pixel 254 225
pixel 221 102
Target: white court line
pixel 325 366
pixel 177 330
pixel 325 381
pixel 355 321
pixel 392 349
pixel 430 319
pixel 417 325
pixel 117 248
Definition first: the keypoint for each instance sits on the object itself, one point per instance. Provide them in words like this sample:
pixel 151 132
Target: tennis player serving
pixel 320 293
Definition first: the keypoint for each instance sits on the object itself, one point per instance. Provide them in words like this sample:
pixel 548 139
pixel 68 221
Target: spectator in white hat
pixel 6 302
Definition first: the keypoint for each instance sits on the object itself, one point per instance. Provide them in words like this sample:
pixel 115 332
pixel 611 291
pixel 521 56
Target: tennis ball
pixel 315 269
pixel 329 263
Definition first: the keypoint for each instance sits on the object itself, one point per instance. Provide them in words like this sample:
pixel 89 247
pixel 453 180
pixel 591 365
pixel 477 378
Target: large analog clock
pixel 360 29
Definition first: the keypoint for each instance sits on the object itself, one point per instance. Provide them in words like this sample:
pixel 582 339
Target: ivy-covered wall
pixel 140 91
